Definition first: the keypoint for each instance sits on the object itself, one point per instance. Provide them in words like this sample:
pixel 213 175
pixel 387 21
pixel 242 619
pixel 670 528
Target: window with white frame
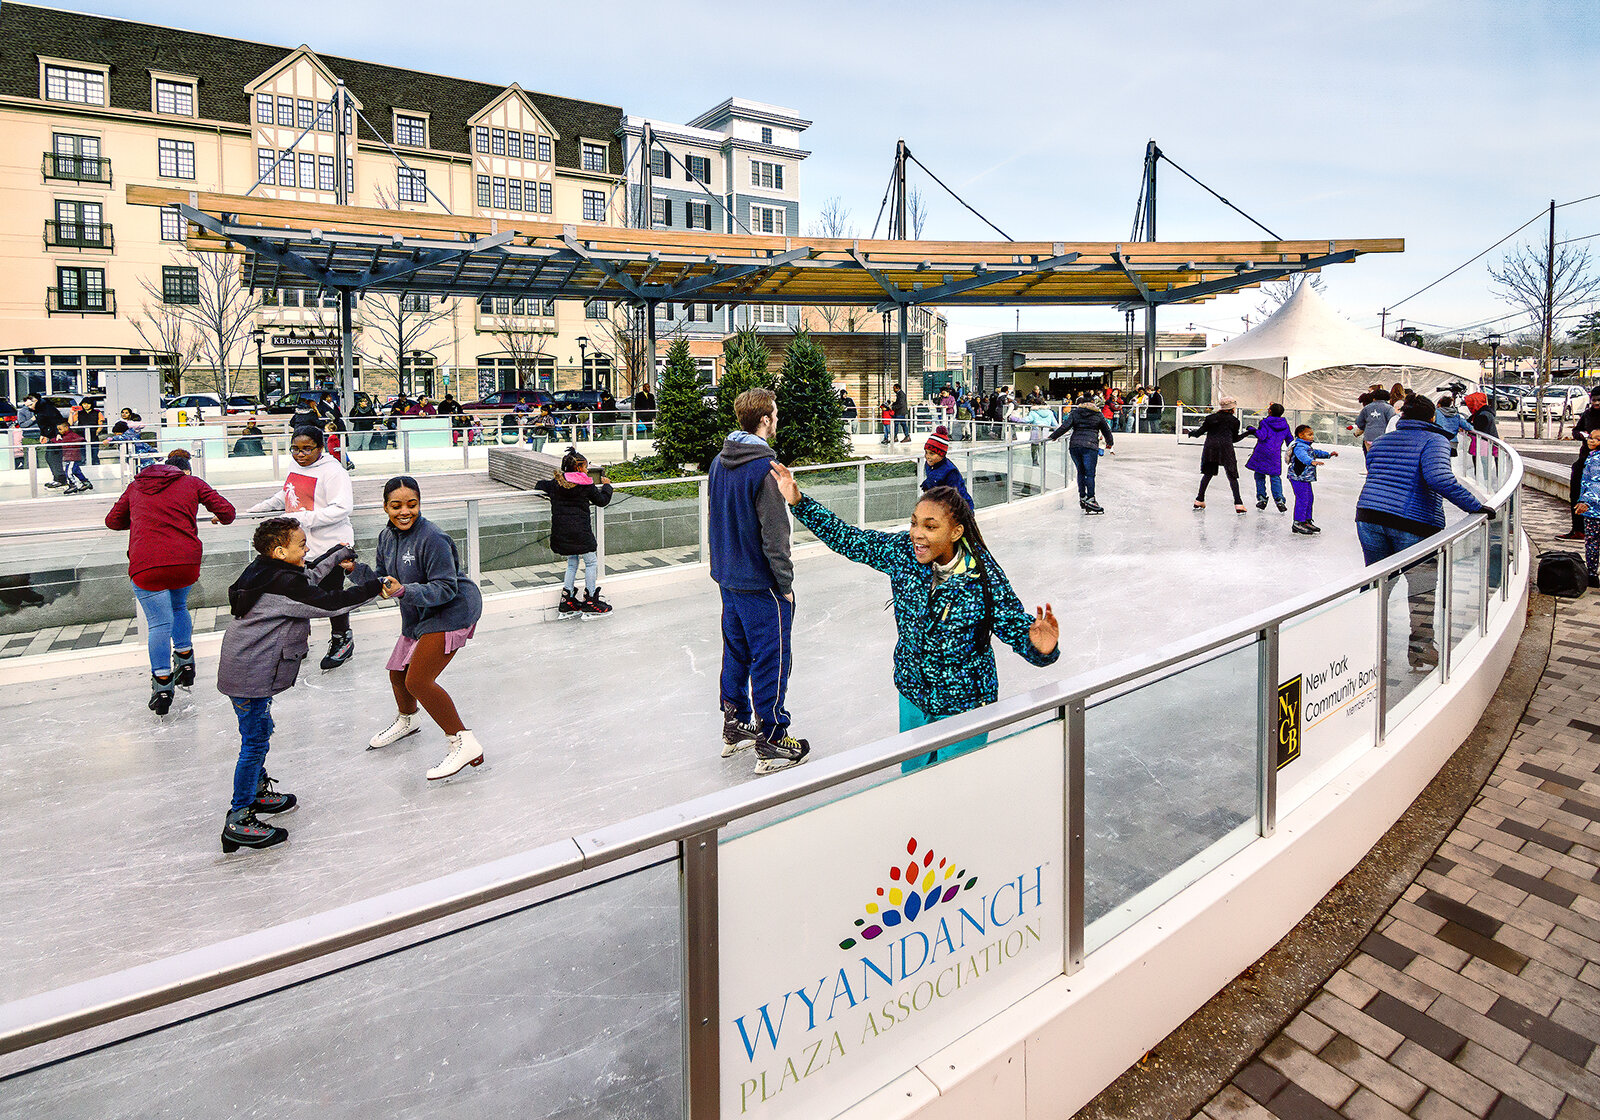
pixel 412 184
pixel 766 135
pixel 658 164
pixel 171 224
pixel 698 312
pixel 175 159
pixel 767 175
pixel 285 112
pixel 766 219
pixel 175 98
pixel 661 211
pixel 697 168
pixel 594 204
pixel 547 201
pixel 68 83
pixel 411 131
pixel 263 108
pixel 767 315
pixel 697 215
pixel 594 157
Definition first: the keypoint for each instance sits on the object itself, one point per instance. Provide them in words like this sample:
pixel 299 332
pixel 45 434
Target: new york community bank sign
pixel 861 937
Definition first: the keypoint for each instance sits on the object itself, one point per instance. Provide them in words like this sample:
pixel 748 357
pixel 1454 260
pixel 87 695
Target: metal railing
pixel 78 235
pixel 1473 562
pixel 78 169
pixel 86 301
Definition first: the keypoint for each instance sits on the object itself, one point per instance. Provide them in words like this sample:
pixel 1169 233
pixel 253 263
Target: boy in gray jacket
pixel 273 603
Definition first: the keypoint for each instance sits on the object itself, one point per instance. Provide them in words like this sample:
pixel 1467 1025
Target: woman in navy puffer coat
pixel 1408 476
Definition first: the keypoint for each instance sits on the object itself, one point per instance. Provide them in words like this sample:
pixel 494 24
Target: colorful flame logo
pixel 913 889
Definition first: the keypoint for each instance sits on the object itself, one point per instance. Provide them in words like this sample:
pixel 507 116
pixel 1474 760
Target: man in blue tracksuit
pixel 749 529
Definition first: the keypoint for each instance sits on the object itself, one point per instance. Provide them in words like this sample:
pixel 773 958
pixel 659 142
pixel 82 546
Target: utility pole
pixel 1151 155
pixel 1549 311
pixel 900 233
pixel 1383 322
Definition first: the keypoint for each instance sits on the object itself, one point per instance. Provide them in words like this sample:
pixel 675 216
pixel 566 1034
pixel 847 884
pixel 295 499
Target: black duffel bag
pixel 1562 574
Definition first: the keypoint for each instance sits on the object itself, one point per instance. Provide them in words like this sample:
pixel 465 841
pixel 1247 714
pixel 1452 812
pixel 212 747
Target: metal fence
pixel 646 890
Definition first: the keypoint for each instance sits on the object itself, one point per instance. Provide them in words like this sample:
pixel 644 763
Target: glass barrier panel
pixel 892 493
pixel 513 544
pixel 1170 786
pixel 1028 464
pixel 835 488
pixel 1327 694
pixel 653 526
pixel 1413 651
pixel 1466 593
pixel 986 477
pixel 568 1007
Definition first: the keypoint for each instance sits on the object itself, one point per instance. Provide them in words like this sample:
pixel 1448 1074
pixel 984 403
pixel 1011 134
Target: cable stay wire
pixel 1464 264
pixel 704 188
pixel 1575 201
pixel 1585 237
pixel 887 191
pixel 955 196
pixel 1163 155
pixel 1138 208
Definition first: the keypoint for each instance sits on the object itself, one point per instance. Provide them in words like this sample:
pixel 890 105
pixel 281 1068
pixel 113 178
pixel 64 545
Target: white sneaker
pixel 402 726
pixel 464 752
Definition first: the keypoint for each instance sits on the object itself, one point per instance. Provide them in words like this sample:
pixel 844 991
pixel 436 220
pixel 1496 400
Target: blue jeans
pixel 591 562
pixel 902 428
pixel 756 628
pixel 167 624
pixel 1379 542
pixel 1084 461
pixel 1261 486
pixel 912 717
pixel 255 736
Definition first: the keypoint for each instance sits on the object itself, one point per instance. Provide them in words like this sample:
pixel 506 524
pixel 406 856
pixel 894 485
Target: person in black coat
pixel 1221 431
pixel 48 418
pixel 571 492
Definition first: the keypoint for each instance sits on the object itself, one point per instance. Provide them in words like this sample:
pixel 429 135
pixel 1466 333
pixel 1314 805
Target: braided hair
pixel 955 507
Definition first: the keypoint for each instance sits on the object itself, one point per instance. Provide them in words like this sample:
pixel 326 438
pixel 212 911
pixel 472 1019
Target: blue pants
pixel 902 427
pixel 1379 542
pixel 75 473
pixel 167 625
pixel 255 736
pixel 1084 461
pixel 1277 486
pixel 591 563
pixel 755 656
pixel 912 717
pixel 1302 499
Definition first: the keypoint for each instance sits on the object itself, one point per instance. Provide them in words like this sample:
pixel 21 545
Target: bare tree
pixel 626 341
pixel 398 326
pixel 1547 288
pixel 1276 293
pixel 166 332
pixel 833 221
pixel 220 311
pixel 916 211
pixel 525 342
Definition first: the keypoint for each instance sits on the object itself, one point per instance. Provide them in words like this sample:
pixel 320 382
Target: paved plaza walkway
pixel 1478 993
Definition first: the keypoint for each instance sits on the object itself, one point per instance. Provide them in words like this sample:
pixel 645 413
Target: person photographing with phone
pixel 575 488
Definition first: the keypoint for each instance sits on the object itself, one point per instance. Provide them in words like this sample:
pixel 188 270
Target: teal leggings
pixel 911 717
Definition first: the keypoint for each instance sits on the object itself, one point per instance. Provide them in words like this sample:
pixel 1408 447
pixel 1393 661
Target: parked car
pixel 597 401
pixel 241 403
pixel 298 400
pixel 8 411
pixel 1558 400
pixel 504 400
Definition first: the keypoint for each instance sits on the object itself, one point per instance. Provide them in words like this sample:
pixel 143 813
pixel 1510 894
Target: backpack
pixel 1563 574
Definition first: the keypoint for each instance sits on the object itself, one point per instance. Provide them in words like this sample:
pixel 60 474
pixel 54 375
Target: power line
pixel 1163 155
pixel 1585 237
pixel 955 196
pixel 1481 255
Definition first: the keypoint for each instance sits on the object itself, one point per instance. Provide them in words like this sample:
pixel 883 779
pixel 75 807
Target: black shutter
pixel 666 208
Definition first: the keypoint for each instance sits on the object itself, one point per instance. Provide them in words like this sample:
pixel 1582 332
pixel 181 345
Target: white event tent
pixel 1309 357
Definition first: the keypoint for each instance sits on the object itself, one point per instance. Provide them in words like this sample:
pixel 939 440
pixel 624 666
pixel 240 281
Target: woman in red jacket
pixel 159 509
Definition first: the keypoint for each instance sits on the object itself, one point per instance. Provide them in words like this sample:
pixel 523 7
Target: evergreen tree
pixel 744 366
pixel 810 422
pixel 685 424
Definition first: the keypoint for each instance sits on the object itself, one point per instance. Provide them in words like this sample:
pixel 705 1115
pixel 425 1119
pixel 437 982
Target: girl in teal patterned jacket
pixel 949 598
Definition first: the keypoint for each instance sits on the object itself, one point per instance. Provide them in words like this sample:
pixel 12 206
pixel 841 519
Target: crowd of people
pixel 949 593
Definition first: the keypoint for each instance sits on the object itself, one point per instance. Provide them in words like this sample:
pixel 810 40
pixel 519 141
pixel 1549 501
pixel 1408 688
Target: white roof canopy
pixel 1306 335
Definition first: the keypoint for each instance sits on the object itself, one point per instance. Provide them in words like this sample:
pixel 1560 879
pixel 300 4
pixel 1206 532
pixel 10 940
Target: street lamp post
pixel 261 377
pixel 583 361
pixel 1494 369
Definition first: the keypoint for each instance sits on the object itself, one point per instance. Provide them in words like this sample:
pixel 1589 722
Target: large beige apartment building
pixel 89 105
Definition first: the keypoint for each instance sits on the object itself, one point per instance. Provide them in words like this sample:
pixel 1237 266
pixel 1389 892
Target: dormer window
pixel 174 98
pixel 68 83
pixel 410 131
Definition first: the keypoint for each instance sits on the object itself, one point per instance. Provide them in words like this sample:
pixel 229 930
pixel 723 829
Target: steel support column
pixel 347 349
pixel 652 372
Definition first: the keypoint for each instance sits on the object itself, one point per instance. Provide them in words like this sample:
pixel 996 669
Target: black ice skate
pixel 183 667
pixel 1283 507
pixel 161 690
pixel 779 753
pixel 1092 506
pixel 242 830
pixel 570 606
pixel 341 649
pixel 1306 528
pixel 736 733
pixel 593 604
pixel 1261 503
pixel 269 800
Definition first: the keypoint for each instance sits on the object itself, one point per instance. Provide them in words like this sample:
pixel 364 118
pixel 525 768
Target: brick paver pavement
pixel 1478 993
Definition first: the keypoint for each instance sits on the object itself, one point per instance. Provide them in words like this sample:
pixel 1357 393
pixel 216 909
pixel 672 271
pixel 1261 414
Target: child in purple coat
pixel 1267 459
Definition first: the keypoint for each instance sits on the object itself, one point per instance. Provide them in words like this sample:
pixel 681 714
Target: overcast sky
pixel 1447 123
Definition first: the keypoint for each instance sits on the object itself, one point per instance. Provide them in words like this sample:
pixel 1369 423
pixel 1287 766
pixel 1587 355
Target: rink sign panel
pixel 859 938
pixel 1327 694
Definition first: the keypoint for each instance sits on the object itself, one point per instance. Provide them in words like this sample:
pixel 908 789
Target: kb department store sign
pixel 872 931
pixel 306 341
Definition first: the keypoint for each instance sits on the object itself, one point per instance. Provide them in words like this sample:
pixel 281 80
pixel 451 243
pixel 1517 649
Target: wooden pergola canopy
pixel 351 248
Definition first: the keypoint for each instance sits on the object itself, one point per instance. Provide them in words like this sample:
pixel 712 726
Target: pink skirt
pixel 405 647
